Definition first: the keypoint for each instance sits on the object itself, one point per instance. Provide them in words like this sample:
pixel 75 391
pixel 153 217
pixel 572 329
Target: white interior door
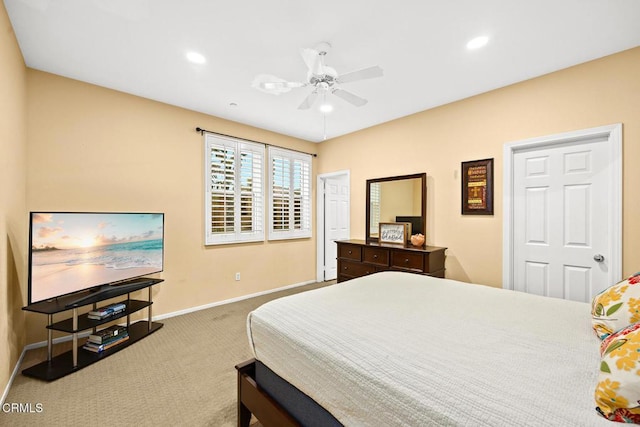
pixel 565 226
pixel 336 221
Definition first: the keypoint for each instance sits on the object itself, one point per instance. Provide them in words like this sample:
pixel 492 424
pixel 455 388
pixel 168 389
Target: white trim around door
pixel 613 134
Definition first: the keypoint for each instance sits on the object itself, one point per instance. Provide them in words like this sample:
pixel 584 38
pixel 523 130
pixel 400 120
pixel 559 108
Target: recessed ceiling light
pixel 196 58
pixel 326 108
pixel 477 42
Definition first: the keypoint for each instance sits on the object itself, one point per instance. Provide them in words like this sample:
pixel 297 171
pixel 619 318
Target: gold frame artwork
pixel 477 187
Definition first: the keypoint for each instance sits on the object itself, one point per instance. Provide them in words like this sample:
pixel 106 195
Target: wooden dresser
pixel 358 258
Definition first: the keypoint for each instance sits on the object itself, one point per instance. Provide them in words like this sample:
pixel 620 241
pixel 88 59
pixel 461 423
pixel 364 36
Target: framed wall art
pixel 477 187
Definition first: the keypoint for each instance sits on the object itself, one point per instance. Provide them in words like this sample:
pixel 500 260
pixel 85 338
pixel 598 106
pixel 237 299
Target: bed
pixel 401 349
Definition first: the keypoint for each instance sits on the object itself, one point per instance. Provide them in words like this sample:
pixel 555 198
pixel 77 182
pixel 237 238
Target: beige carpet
pixel 182 375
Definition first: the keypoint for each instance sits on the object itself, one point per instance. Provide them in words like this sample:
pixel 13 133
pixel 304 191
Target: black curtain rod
pixel 202 131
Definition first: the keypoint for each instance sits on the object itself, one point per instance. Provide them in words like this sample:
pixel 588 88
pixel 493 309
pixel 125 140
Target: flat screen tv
pixel 416 223
pixel 71 252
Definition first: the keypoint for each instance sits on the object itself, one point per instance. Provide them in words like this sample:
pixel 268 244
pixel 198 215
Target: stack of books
pixel 107 311
pixel 106 338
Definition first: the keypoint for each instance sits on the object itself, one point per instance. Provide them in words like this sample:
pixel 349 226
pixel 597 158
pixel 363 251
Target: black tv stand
pixel 112 290
pixel 77 358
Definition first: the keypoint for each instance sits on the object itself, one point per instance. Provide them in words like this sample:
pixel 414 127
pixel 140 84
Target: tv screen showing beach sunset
pixel 75 251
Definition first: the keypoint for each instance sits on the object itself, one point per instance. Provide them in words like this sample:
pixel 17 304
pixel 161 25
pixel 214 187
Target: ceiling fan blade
pixel 273 85
pixel 281 85
pixel 349 97
pixel 309 100
pixel 311 57
pixel 365 73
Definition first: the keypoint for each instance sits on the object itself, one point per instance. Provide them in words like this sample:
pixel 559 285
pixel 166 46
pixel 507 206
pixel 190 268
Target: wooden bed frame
pixel 252 400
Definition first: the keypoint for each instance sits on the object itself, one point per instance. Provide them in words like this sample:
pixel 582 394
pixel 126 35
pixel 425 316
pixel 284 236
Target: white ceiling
pixel 139 47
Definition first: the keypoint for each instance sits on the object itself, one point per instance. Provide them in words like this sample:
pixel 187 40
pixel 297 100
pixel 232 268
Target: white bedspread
pixel 398 349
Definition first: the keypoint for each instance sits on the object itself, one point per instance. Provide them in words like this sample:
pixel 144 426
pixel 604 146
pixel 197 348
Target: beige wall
pixel 91 148
pixel 600 92
pixel 13 228
pixel 95 149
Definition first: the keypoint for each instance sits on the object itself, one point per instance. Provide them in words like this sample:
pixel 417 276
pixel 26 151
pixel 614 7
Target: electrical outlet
pixel 237 276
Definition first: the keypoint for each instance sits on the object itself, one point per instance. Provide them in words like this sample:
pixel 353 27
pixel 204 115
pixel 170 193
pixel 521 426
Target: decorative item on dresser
pixel 358 258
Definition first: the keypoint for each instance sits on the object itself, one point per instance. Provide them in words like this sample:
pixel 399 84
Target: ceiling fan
pixel 322 78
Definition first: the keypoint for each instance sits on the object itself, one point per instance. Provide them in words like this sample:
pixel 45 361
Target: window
pixel 234 186
pixel 289 194
pixel 234 202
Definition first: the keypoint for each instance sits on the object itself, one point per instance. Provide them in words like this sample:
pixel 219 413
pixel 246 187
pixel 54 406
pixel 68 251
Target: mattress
pixel 400 349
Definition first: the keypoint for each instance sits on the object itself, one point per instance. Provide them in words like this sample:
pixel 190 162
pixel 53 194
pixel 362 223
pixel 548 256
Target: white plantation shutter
pixel 302 194
pixel 234 200
pixel 280 193
pixel 374 209
pixel 251 190
pixel 289 194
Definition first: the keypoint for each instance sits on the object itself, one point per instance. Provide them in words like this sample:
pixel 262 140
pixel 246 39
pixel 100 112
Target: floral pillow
pixel 618 391
pixel 616 307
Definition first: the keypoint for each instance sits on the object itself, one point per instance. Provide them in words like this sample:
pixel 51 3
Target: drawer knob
pixel 375 256
pixel 350 252
pixel 406 260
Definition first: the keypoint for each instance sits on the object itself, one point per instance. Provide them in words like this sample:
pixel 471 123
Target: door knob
pixel 598 257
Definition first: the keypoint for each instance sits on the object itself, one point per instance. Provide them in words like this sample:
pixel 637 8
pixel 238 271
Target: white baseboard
pixel 13 375
pixel 160 317
pixel 55 340
pixel 31 347
pixel 229 301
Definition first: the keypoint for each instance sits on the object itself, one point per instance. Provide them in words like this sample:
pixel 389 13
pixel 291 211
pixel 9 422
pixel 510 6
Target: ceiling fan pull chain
pixel 324 118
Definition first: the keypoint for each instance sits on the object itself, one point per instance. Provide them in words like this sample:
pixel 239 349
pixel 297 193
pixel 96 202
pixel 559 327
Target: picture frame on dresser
pixel 394 232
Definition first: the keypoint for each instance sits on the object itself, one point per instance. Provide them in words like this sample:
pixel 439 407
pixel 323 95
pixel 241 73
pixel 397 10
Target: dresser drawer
pixel 354 269
pixel 376 256
pixel 358 258
pixel 406 260
pixel 353 252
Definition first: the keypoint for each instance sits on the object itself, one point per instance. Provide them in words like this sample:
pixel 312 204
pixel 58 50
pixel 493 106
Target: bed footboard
pixel 252 400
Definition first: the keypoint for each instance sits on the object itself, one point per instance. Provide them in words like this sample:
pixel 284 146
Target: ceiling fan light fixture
pixel 477 42
pixel 326 108
pixel 195 57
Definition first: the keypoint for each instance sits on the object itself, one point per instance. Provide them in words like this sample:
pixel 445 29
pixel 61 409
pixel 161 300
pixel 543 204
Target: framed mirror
pixel 396 199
